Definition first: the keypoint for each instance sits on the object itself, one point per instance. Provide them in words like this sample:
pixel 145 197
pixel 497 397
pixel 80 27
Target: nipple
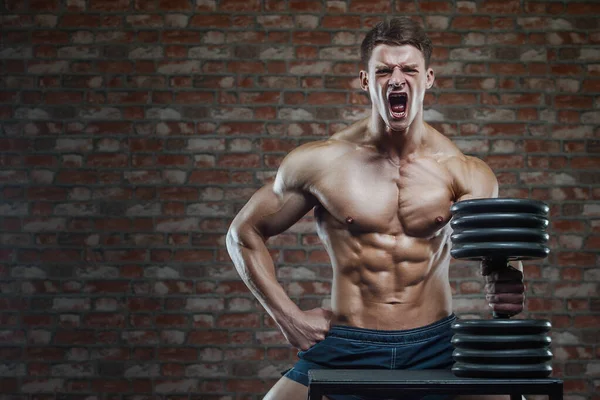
pixel 349 220
pixel 439 220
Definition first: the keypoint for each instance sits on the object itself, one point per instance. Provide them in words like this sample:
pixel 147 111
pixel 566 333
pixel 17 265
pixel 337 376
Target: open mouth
pixel 397 102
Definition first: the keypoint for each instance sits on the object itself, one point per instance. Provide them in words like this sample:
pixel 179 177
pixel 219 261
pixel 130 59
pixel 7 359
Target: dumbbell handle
pixel 495 264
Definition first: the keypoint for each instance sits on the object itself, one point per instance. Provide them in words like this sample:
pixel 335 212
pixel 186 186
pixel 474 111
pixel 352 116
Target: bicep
pixel 279 205
pixel 270 212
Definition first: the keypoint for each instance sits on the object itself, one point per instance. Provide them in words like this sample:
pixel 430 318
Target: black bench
pixel 390 383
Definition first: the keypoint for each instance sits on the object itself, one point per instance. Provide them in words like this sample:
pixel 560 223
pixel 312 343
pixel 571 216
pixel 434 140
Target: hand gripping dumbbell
pixel 497 231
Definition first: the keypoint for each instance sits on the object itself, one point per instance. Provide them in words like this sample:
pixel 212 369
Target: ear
pixel 430 78
pixel 364 80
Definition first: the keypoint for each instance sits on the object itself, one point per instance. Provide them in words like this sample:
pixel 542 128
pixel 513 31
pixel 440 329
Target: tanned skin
pixel 381 191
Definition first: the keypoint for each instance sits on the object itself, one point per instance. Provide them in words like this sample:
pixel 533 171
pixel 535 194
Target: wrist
pixel 286 316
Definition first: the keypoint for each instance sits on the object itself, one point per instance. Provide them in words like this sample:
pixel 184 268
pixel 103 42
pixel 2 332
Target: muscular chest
pixel 413 198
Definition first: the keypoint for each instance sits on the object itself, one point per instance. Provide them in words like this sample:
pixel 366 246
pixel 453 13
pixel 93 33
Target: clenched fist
pixel 504 288
pixel 307 328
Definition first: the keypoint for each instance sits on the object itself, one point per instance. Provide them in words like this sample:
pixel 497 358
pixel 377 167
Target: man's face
pixel 396 81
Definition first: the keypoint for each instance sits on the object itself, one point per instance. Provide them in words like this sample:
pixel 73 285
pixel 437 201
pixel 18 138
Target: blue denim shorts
pixel 345 347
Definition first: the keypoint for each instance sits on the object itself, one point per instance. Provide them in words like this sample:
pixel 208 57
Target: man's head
pixel 397 31
pixel 396 56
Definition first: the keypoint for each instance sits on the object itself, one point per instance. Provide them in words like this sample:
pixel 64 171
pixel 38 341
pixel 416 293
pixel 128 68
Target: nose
pixel 397 78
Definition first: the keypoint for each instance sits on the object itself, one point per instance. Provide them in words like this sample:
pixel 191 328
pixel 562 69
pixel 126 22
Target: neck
pixel 397 144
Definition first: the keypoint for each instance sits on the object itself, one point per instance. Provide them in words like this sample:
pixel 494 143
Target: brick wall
pixel 132 132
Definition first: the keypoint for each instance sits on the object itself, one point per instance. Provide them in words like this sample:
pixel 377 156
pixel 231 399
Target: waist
pixel 404 336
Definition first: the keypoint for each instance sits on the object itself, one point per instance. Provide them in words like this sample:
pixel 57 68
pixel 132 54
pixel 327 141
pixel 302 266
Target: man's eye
pixel 382 71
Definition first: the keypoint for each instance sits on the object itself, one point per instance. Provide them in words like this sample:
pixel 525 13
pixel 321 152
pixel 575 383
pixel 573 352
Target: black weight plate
pixel 500 235
pixel 521 356
pixel 512 251
pixel 498 220
pixel 500 342
pixel 502 205
pixel 528 371
pixel 501 326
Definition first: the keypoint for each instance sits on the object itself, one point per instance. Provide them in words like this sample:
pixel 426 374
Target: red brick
pixel 73 338
pixel 277 145
pixel 15 144
pixel 53 37
pixel 326 98
pixel 521 99
pixel 48 51
pixel 575 259
pixel 545 146
pixel 311 6
pixel 108 160
pixel 109 5
pixel 246 67
pixel 500 7
pixel 592 242
pixel 210 21
pixel 471 23
pixel 43 5
pixel 591 85
pixel 188 37
pixel 238 320
pixel 193 255
pixel 11 385
pixel 585 162
pixel 17 21
pixel 204 338
pixel 406 7
pixel 587 8
pixel 507 69
pixel 573 101
pixel 239 160
pixel 542 304
pixel 240 5
pixel 79 21
pixel 569 117
pixel 565 69
pixel 274 5
pixel 194 97
pixel 370 6
pixel 243 21
pixel 177 354
pixel 343 22
pixel 504 161
pixel 435 6
pixel 175 5
pixel 586 321
pixel 457 98
pixel 311 37
pixel 307 52
pixel 260 97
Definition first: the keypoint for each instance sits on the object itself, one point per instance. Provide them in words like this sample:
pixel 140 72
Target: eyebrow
pixel 380 66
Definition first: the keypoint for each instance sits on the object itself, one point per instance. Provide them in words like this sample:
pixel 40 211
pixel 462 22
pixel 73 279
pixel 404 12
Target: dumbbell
pixel 497 231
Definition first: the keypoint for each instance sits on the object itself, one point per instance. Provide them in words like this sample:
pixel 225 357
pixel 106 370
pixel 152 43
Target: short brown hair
pixel 397 31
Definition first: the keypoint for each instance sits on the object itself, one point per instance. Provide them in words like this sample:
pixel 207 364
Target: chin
pixel 396 124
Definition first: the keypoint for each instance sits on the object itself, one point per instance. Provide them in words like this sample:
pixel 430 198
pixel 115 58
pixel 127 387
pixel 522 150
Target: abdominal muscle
pixel 389 282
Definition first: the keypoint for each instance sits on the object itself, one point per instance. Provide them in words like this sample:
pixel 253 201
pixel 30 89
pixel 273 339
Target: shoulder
pixel 472 177
pixel 303 165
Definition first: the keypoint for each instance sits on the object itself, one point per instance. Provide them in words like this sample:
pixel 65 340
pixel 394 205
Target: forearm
pixel 255 266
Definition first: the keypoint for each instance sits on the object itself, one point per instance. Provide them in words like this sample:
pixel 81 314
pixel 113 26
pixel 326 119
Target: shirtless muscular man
pixel 381 191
